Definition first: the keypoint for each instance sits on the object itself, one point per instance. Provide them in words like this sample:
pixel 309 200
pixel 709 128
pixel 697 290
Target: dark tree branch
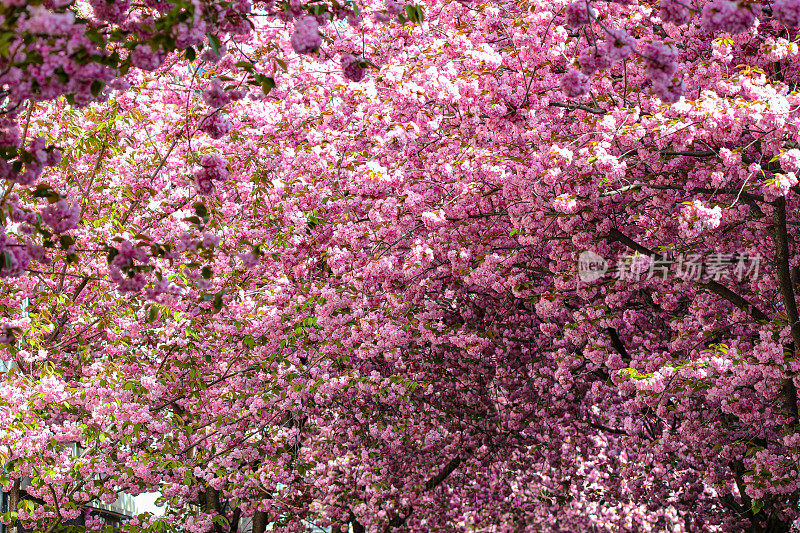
pixel 441 476
pixel 788 395
pixel 431 484
pixel 618 344
pixel 711 286
pixel 784 271
pixel 689 153
pixel 614 431
pixel 358 527
pixel 573 107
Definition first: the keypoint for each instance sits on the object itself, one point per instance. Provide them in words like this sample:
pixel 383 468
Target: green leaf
pixel 66 241
pixel 201 210
pixel 757 506
pixel 190 53
pixel 218 302
pixel 214 42
pixel 94 36
pixel 267 85
pixel 96 87
pixel 207 272
pixel 43 190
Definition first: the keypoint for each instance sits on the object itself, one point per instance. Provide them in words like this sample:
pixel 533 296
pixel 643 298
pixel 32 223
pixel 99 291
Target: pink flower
pixel 565 203
pixel 211 56
pixel 592 59
pixel 213 168
pixel 351 67
pixel 249 259
pixel 433 220
pixel 579 13
pixel 670 91
pixel 787 12
pixel 779 185
pixel 660 59
pixel 727 15
pixel 675 11
pixel 574 83
pixel 306 37
pixel 619 45
pixel 215 126
pixel 695 218
pixel 394 8
pixel 215 96
pixel 62 216
pixel 145 58
pixel 790 160
pixel 114 11
pixel 14 261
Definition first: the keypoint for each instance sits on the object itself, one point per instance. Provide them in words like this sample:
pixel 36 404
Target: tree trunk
pixel 13 504
pixel 357 527
pixel 260 521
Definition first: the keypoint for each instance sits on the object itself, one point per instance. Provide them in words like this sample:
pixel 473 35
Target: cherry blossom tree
pixel 326 270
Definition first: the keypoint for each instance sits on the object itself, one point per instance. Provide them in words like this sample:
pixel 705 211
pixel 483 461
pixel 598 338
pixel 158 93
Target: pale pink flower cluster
pixel 790 160
pixel 115 11
pixel 779 185
pixel 212 168
pixel 122 271
pixel 42 21
pixel 619 45
pixel 696 218
pixel 574 83
pixel 671 91
pixel 145 58
pixel 249 259
pixel 41 157
pixel 660 59
pixel 565 203
pixel 14 258
pixel 591 60
pixel 434 219
pixel 675 11
pixel 215 96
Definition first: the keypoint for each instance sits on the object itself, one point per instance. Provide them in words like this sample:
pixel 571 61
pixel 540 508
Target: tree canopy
pixel 449 266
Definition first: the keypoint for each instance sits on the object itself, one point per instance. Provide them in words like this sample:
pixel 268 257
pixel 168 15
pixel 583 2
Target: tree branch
pixel 431 484
pixel 573 107
pixel 712 286
pixel 788 394
pixel 618 345
pixel 689 153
